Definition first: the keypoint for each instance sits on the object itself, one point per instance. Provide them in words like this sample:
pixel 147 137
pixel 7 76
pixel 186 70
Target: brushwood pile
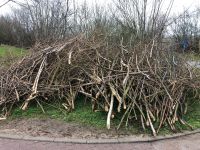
pixel 145 82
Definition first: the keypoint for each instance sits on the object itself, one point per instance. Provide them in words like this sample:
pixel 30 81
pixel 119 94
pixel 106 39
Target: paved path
pixel 191 142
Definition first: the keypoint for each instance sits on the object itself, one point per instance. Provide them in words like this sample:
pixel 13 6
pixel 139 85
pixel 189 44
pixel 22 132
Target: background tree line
pixel 126 21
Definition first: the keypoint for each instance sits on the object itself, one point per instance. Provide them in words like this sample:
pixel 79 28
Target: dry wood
pixel 146 85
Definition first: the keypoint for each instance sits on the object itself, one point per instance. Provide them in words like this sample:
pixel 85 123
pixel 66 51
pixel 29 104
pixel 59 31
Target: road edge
pixel 129 139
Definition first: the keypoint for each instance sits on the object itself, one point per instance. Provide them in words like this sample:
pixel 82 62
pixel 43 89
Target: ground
pixel 56 129
pixel 80 123
pixel 191 142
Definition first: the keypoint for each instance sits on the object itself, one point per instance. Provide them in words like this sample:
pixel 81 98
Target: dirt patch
pixel 57 129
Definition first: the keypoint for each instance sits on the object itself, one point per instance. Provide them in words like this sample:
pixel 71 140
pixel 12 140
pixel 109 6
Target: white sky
pixel 178 6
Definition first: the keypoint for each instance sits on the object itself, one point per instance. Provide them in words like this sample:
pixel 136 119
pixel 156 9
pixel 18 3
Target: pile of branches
pixel 145 82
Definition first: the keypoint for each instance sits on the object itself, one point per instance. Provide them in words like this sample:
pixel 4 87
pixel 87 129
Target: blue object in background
pixel 185 44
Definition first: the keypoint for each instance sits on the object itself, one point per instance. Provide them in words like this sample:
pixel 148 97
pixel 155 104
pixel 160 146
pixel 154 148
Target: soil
pixel 57 129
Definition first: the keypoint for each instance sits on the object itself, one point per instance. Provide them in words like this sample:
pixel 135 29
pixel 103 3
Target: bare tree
pixel 5 3
pixel 187 27
pixel 141 19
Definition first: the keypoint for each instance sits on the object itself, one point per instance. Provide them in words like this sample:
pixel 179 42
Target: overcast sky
pixel 178 6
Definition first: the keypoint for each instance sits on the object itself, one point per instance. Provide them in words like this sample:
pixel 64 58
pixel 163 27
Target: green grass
pixel 193 116
pixel 10 54
pixel 84 115
pixel 11 50
pixel 191 56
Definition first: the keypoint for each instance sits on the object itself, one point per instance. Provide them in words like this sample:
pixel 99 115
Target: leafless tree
pixel 142 19
pixel 187 27
pixel 5 3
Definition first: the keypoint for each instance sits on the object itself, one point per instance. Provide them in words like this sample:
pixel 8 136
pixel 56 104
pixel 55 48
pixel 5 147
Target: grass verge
pixel 10 54
pixel 191 56
pixel 11 50
pixel 84 115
